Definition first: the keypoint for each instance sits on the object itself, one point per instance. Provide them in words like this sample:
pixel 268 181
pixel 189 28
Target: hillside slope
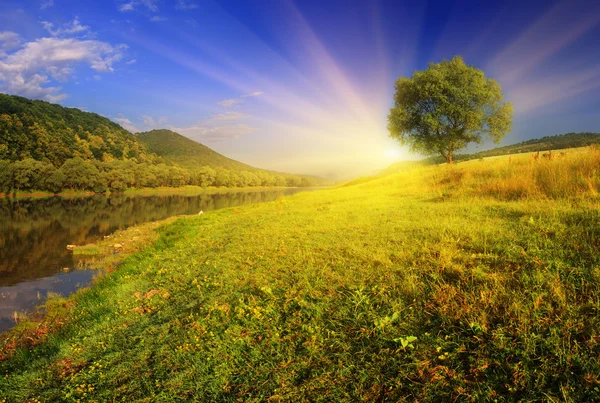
pixel 189 154
pixel 41 130
pixel 557 142
pixel 185 152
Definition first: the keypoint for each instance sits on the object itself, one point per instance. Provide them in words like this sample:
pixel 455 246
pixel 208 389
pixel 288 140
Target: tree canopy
pixel 447 106
pixel 51 148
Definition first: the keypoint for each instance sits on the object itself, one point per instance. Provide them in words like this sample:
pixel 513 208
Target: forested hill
pixel 557 142
pixel 45 131
pixel 47 147
pixel 185 152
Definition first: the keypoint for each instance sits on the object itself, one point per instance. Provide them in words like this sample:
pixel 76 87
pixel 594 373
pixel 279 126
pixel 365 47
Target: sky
pixel 300 86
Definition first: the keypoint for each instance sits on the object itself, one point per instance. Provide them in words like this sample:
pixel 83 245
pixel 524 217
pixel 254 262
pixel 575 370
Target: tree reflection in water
pixel 34 234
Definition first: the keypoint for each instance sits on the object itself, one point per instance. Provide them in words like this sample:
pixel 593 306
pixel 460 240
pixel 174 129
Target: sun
pixel 393 153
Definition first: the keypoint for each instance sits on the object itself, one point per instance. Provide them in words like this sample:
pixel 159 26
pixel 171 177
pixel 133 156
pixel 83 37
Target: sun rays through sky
pixel 297 86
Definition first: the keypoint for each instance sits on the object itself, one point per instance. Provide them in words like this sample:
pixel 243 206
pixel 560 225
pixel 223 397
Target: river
pixel 34 234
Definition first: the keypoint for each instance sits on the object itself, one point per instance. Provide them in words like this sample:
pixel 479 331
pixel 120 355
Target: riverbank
pixel 105 256
pixel 473 282
pixel 183 190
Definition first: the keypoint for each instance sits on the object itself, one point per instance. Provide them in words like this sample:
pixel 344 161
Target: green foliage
pixel 6 176
pixel 446 107
pixel 96 154
pixel 406 342
pixel 187 153
pixel 79 175
pixel 40 130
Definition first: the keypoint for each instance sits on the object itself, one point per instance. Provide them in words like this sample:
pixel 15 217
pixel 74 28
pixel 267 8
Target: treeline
pixel 558 142
pixel 118 175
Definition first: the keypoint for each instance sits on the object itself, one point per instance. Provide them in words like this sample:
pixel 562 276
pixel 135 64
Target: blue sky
pixel 297 86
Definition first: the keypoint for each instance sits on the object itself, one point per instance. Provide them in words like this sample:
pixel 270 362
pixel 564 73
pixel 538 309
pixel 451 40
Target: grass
pixel 474 282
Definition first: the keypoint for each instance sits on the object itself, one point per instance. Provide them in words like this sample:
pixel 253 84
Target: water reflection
pixel 34 234
pixel 26 296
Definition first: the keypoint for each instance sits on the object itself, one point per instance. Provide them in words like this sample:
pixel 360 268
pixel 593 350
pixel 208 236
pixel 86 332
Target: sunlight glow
pixel 393 153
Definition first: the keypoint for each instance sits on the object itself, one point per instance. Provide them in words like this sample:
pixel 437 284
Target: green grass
pixel 479 282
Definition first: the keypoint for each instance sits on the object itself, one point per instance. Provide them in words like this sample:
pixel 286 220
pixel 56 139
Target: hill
pixel 45 131
pixel 180 150
pixel 191 155
pixel 50 148
pixel 557 142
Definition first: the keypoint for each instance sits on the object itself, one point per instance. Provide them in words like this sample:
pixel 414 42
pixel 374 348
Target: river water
pixel 34 234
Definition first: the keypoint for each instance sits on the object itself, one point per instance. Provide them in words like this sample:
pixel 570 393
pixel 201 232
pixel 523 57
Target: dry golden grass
pixel 567 174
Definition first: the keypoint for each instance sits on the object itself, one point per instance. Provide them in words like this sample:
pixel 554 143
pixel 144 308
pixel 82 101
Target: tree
pixel 55 181
pixel 206 176
pixel 6 176
pixel 222 177
pixel 81 175
pixel 446 107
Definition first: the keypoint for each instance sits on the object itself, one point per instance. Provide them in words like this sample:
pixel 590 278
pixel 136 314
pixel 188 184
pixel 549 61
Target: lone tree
pixel 444 108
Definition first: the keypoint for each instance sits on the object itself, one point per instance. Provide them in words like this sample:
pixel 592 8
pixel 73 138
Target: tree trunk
pixel 447 156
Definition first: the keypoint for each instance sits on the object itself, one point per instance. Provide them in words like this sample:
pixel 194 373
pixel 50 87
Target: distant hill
pixel 557 142
pixel 189 154
pixel 185 152
pixel 45 131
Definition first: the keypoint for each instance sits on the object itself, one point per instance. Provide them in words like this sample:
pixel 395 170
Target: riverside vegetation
pixel 473 282
pixel 49 148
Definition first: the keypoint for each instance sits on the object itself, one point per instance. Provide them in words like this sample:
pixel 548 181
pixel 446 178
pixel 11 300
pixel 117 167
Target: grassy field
pixel 473 282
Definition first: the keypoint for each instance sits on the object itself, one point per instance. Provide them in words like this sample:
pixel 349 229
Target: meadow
pixel 473 282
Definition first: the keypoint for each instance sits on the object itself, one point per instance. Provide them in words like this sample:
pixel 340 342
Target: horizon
pixel 299 87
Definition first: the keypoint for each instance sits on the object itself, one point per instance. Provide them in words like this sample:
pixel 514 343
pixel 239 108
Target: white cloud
pixel 8 40
pixel 46 4
pixel 29 69
pixel 229 116
pixel 133 4
pixel 158 18
pixel 72 28
pixel 185 5
pixel 127 124
pixel 204 133
pixel 152 123
pixel 132 61
pixel 228 103
pixel 126 7
pixel 253 94
pixel 148 120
